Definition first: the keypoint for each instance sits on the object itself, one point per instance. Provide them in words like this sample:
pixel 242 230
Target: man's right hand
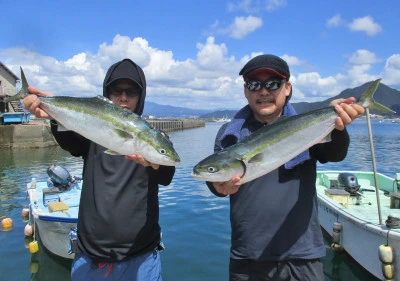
pixel 32 102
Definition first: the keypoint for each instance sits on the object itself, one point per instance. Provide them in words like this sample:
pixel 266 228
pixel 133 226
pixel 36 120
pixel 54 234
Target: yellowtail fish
pixel 98 119
pixel 273 145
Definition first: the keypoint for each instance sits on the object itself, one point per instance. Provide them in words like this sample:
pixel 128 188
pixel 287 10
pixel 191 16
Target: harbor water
pixel 195 223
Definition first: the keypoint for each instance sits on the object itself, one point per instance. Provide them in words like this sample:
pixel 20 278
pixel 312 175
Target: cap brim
pixel 267 70
pixel 119 78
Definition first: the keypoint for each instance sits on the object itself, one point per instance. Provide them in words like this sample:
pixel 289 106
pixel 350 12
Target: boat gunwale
pixel 337 207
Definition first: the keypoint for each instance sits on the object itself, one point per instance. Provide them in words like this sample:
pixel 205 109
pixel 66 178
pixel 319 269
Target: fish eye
pixel 211 169
pixel 163 151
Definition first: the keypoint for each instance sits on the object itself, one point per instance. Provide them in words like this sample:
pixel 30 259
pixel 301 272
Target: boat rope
pixel 387 238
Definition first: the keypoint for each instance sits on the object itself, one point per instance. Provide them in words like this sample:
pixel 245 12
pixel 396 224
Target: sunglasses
pixel 270 85
pixel 130 92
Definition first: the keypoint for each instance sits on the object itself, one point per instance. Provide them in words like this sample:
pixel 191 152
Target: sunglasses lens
pixel 272 85
pixel 253 85
pixel 130 92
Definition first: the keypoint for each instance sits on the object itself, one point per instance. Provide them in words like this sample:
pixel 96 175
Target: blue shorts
pixel 146 267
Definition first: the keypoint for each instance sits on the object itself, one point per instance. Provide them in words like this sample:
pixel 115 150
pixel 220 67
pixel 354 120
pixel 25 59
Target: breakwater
pixel 37 133
pixel 168 125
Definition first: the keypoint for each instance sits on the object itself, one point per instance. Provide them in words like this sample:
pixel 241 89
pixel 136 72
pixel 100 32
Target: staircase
pixel 16 106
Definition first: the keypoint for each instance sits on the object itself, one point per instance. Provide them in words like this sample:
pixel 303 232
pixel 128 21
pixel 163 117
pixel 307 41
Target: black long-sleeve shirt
pixel 119 210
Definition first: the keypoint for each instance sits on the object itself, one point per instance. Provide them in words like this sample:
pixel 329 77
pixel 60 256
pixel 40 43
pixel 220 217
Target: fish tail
pixel 367 99
pixel 23 92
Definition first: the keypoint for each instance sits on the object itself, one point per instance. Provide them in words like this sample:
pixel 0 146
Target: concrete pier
pixel 38 134
pixel 26 135
pixel 168 125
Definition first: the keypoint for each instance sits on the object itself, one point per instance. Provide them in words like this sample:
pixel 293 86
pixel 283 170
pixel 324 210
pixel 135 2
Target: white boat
pixel 54 206
pixel 368 231
pixel 222 120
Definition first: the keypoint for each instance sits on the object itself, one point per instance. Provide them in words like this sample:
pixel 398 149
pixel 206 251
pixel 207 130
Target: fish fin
pixel 256 158
pixel 122 134
pixel 367 99
pixel 111 152
pixel 22 93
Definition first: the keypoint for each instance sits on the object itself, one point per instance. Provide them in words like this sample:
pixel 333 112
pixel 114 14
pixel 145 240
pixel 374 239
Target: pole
pixel 371 142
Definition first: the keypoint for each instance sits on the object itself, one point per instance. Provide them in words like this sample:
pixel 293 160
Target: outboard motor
pixel 60 177
pixel 348 182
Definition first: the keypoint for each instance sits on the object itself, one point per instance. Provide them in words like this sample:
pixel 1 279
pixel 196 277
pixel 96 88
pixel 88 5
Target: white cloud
pixel 243 26
pixel 210 80
pixel 291 60
pixel 363 57
pixel 244 6
pixel 365 24
pixel 313 84
pixel 335 21
pixel 391 72
pixel 272 5
pixel 256 6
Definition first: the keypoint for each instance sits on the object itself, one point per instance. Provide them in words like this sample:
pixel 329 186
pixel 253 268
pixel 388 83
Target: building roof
pixel 9 71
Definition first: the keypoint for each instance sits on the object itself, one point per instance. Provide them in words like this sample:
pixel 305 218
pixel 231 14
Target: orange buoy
pixel 33 247
pixel 7 224
pixel 28 230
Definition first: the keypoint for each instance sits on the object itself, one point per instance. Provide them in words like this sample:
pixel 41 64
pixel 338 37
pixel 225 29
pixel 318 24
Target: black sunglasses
pixel 270 84
pixel 130 92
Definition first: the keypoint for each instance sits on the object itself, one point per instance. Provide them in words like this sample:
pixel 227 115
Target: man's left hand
pixel 347 111
pixel 140 160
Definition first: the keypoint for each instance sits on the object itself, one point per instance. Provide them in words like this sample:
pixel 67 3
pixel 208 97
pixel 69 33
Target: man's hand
pixel 347 111
pixel 32 102
pixel 228 187
pixel 140 160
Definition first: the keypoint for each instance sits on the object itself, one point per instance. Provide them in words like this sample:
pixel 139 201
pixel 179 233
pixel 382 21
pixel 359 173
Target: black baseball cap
pixel 125 69
pixel 266 63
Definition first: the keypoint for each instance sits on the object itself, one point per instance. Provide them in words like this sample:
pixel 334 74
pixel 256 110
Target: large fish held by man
pixel 273 145
pixel 98 119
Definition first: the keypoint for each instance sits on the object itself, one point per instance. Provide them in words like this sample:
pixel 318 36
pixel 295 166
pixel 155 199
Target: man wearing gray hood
pixel 119 236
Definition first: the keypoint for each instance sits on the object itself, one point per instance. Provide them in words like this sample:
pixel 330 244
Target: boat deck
pixel 365 206
pixel 47 204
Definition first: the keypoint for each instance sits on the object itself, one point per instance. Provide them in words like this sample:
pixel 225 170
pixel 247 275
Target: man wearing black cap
pixel 275 229
pixel 118 231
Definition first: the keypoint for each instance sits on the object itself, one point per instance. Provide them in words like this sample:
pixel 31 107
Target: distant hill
pixel 168 111
pixel 220 114
pixel 384 95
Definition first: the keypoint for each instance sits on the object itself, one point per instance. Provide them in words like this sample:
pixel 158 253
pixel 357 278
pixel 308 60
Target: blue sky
pixel 192 51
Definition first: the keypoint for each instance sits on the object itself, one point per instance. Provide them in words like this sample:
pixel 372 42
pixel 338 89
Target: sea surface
pixel 195 223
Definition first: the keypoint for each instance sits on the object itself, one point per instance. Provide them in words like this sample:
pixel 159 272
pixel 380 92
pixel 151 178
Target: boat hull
pixel 54 221
pixel 360 238
pixel 54 236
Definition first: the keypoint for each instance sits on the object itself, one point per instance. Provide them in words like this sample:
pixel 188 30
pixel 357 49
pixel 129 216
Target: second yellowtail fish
pixel 111 126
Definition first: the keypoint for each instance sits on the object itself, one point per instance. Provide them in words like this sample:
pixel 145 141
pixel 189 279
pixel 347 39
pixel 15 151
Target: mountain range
pixel 384 95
